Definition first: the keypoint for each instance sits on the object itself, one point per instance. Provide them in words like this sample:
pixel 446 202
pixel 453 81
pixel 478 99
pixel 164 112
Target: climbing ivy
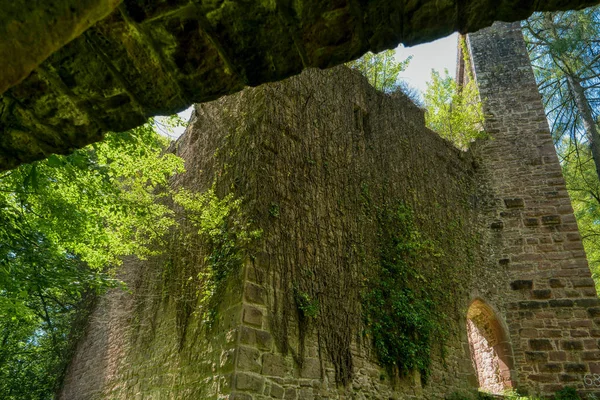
pixel 224 234
pixel 399 308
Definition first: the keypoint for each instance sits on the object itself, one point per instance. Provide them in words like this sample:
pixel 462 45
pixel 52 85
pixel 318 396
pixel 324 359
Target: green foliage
pixel 381 69
pixel 584 189
pixel 225 233
pixel 454 111
pixel 308 307
pixel 274 210
pixel 564 50
pixel 65 223
pixel 567 393
pixel 400 314
pixel 562 45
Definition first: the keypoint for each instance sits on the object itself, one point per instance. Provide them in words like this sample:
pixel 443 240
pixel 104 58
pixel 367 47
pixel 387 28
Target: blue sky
pixel 437 55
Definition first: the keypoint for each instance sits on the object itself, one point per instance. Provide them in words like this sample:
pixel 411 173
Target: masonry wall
pixel 312 158
pixel 537 275
pixel 323 142
pixel 313 161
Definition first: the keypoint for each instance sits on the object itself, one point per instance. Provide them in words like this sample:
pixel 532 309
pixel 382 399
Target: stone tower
pixel 547 300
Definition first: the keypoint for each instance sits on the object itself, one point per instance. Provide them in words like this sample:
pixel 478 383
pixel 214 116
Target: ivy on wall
pixel 399 308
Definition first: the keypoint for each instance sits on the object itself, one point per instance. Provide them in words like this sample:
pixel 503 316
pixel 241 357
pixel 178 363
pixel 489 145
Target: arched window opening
pixel 490 351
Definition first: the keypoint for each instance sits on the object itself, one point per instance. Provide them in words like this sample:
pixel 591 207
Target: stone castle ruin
pixel 357 254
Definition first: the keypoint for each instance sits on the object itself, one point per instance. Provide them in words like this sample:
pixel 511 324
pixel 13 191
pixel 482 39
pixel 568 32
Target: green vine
pixel 308 307
pixel 224 236
pixel 399 307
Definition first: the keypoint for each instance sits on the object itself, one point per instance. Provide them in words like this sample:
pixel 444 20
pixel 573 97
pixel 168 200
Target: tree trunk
pixel 589 125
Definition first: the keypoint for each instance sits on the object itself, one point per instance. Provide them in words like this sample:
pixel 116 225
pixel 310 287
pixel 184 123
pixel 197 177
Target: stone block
pixel 252 316
pixel 569 378
pixel 240 396
pixel 594 312
pixel 256 337
pixel 556 283
pixel 274 365
pixel 249 382
pixel 248 359
pixel 542 294
pixel 254 294
pixel 497 225
pixel 305 394
pixel 594 368
pixel 277 391
pixel 571 345
pixel 540 344
pixel 532 305
pixel 226 362
pixel 557 356
pixel 551 220
pixel 587 302
pixel 575 368
pixel 531 222
pixel 311 368
pixel 583 282
pixel 561 303
pixel 536 356
pixel 578 333
pixel 552 367
pixel 543 378
pixel 528 333
pixel 514 203
pixel 290 394
pixel 521 284
pixel 591 355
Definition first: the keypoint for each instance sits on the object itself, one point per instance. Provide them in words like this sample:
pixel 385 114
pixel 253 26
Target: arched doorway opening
pixel 490 351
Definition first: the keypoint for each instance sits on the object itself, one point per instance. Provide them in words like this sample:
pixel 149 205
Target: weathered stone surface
pixel 520 163
pixel 249 382
pixel 150 58
pixel 31 31
pixel 521 285
pixel 540 344
pixel 309 145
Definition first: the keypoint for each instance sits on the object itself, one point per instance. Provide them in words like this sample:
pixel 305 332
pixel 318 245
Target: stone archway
pixel 490 351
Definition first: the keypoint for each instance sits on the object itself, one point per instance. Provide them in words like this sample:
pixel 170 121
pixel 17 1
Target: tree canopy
pixel 65 223
pixel 381 70
pixel 454 109
pixel 564 50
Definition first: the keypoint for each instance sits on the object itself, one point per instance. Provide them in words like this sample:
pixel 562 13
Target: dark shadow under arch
pixel 491 352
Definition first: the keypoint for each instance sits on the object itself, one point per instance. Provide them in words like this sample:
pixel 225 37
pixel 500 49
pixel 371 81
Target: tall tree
pixel 65 223
pixel 453 109
pixel 382 70
pixel 565 52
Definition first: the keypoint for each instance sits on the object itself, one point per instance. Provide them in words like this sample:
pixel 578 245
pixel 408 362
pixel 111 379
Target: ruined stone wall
pixel 537 278
pixel 133 346
pixel 323 143
pixel 313 159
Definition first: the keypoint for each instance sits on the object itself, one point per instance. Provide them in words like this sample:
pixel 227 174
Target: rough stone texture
pixel 302 154
pixel 309 145
pixel 539 280
pixel 490 349
pixel 158 57
pixel 132 348
pixel 33 30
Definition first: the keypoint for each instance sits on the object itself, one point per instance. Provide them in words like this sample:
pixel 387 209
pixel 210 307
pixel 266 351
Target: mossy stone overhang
pixel 72 70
